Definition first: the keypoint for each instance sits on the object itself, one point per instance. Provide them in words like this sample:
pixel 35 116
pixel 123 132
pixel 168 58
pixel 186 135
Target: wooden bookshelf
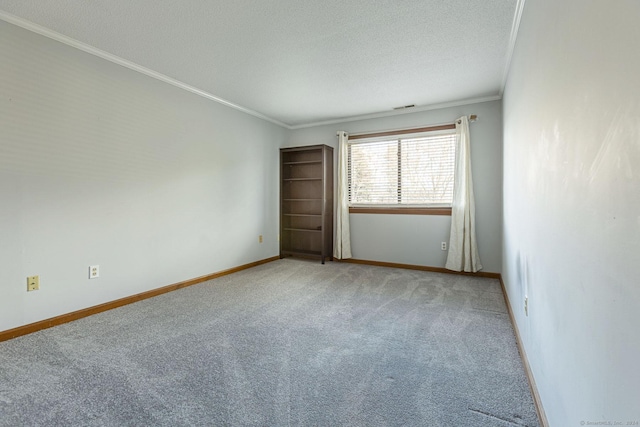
pixel 306 202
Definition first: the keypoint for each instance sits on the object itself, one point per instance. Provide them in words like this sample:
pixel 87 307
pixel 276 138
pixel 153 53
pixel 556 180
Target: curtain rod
pixel 446 126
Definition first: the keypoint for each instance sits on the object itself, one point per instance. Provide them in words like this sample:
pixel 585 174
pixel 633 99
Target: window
pixel 402 171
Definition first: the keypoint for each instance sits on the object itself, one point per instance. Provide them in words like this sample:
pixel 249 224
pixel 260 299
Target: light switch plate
pixel 33 283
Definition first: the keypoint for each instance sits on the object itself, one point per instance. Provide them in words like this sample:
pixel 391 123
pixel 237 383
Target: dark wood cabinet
pixel 306 201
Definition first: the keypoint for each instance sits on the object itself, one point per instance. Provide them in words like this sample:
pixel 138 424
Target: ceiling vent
pixel 405 106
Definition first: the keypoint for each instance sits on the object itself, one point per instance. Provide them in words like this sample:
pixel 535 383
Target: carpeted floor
pixel 288 343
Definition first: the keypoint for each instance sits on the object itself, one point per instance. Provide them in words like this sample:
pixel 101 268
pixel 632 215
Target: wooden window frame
pixel 395 210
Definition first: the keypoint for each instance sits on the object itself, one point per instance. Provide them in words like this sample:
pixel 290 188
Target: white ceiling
pixel 297 62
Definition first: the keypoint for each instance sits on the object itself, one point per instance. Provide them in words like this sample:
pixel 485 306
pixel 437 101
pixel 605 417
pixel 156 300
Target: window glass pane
pixel 374 173
pixel 427 170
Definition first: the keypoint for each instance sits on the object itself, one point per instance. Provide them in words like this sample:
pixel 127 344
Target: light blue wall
pixel 572 205
pixel 415 239
pixel 102 165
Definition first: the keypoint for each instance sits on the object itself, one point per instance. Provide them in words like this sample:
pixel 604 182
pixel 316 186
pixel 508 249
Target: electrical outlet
pixel 526 305
pixel 260 238
pixel 94 271
pixel 443 246
pixel 33 283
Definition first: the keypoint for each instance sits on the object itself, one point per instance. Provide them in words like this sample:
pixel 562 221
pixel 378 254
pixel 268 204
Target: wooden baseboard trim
pixel 542 417
pixel 419 267
pixel 70 317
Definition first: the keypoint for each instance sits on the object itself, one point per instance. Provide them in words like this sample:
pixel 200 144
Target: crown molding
pixel 38 29
pixel 399 112
pixel 515 27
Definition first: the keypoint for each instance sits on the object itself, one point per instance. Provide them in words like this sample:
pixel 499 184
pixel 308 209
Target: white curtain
pixel 342 246
pixel 463 247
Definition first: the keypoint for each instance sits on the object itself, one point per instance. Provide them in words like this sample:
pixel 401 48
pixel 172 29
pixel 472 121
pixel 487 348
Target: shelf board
pixel 302 200
pixel 296 214
pixel 308 230
pixel 307 162
pixel 301 252
pixel 302 179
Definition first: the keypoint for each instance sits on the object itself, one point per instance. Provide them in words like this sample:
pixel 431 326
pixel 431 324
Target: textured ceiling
pixel 300 62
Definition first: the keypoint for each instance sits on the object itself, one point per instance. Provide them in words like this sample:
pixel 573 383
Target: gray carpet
pixel 288 343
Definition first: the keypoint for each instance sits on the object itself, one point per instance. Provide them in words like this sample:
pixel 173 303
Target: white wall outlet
pixel 526 305
pixel 94 271
pixel 443 246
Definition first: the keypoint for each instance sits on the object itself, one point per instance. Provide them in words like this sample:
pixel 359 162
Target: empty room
pixel 296 213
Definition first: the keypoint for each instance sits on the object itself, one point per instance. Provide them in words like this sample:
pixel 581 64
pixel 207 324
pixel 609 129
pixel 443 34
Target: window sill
pixel 402 211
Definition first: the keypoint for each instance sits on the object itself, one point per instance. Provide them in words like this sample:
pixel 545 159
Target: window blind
pixel 414 171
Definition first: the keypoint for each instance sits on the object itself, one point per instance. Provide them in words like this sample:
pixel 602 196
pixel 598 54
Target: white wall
pixel 415 239
pixel 102 165
pixel 572 205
